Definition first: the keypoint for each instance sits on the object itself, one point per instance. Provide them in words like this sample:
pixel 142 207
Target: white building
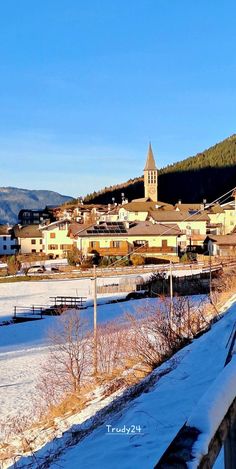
pixel 29 238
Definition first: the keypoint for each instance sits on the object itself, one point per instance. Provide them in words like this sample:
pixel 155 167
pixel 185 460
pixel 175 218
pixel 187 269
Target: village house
pixel 56 239
pixel 118 239
pixel 230 217
pixel 222 245
pixel 111 214
pixel 216 224
pixel 193 225
pixel 34 217
pixel 8 242
pixel 29 239
pixel 138 210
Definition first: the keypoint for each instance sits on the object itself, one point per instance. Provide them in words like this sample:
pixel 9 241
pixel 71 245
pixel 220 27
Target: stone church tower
pixel 150 176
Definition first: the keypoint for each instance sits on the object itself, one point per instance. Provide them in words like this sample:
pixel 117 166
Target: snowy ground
pixel 159 414
pixel 24 347
pixel 38 292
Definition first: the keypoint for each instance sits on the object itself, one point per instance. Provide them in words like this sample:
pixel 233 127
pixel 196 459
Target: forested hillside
pixel 205 175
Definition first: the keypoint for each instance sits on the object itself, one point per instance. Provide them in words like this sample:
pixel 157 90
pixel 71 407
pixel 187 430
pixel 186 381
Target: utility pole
pixel 95 320
pixel 171 294
pixel 210 279
pixel 210 269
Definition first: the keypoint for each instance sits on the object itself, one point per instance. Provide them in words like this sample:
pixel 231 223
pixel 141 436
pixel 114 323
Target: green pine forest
pixel 206 175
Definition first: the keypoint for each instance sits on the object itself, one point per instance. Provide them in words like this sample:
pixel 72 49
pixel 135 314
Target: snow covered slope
pixel 158 414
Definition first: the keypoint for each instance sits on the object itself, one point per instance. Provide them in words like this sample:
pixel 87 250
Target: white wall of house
pixel 188 226
pixel 132 216
pixel 30 245
pixel 87 243
pixel 230 220
pixel 56 241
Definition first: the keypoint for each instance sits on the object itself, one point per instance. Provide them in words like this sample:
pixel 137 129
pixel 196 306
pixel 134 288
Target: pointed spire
pixel 150 163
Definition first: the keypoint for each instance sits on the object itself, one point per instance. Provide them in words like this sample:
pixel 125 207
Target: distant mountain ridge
pixel 206 175
pixel 13 199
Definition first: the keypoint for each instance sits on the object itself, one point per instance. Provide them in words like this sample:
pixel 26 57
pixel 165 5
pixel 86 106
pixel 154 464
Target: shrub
pixel 104 262
pixel 73 256
pixel 137 259
pixel 87 263
pixel 13 265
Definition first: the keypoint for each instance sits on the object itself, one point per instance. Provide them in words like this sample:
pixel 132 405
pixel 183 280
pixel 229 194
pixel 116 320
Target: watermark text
pixel 124 430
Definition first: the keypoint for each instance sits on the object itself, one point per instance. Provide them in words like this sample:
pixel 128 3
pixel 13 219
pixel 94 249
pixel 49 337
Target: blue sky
pixel 84 86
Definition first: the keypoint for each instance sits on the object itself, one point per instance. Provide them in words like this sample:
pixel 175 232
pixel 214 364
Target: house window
pixel 40 241
pixel 33 250
pixel 164 243
pixel 53 247
pixel 140 242
pixel 115 244
pixel 33 241
pixel 52 235
pixel 4 238
pixel 93 244
pixel 4 247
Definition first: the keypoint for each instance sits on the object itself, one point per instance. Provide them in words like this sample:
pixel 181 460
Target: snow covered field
pixel 24 347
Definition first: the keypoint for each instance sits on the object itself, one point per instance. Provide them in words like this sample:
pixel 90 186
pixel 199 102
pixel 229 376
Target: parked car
pixel 55 269
pixel 36 269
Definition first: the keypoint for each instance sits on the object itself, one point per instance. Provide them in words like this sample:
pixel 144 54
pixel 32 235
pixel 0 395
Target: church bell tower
pixel 150 176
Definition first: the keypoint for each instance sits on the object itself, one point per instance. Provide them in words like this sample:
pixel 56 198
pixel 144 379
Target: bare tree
pixel 69 358
pixel 112 345
pixel 157 334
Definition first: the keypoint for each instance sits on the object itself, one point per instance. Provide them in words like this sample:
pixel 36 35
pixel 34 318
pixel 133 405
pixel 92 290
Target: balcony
pixel 122 250
pixel 155 249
